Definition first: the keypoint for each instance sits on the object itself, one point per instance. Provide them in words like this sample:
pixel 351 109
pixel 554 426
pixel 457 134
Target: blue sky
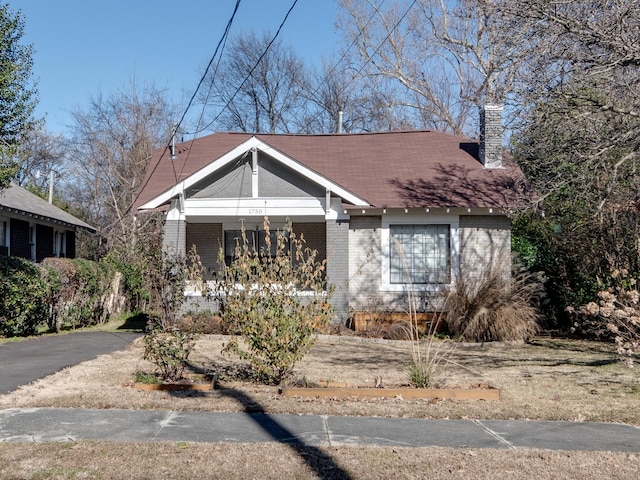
pixel 84 47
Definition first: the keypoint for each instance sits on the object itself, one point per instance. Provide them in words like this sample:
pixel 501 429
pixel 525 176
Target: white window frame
pixel 5 233
pixel 32 240
pixel 59 243
pixel 454 247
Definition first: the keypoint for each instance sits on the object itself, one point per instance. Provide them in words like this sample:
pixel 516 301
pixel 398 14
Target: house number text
pixel 256 211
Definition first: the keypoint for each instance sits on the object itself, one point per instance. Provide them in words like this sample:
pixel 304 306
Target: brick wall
pixel 337 251
pixel 208 239
pixel 491 136
pixel 485 246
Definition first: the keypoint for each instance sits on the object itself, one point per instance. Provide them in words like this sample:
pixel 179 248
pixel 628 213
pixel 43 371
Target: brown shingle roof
pixel 394 169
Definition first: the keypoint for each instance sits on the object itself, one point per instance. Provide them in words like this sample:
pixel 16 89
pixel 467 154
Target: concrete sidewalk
pixel 57 424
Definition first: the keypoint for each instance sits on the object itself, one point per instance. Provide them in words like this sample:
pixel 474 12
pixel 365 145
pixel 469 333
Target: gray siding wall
pixel 208 239
pixel 232 182
pixel 337 250
pixel 174 237
pixel 276 180
pixel 485 247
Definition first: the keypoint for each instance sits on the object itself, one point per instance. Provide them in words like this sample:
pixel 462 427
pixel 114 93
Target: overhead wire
pixel 370 57
pixel 248 76
pixel 223 41
pixel 344 54
pixel 202 79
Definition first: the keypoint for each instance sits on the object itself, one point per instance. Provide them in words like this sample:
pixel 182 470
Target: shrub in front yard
pixel 169 351
pixel 496 308
pixel 275 299
pixel 79 295
pixel 165 344
pixel 23 298
pixel 618 313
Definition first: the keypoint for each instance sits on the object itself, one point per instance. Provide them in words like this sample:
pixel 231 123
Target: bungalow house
pixel 34 229
pixel 390 212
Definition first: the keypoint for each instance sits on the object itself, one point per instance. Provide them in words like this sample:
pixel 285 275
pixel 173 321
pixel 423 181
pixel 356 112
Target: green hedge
pixel 56 292
pixel 24 300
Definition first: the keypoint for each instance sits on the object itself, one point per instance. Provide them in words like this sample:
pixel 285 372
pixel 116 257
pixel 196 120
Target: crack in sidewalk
pixel 495 435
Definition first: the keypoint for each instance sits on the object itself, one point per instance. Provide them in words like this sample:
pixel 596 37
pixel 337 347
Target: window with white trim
pixel 419 254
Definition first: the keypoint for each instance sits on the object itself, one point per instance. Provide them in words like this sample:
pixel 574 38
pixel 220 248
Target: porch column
pixel 174 237
pixel 338 266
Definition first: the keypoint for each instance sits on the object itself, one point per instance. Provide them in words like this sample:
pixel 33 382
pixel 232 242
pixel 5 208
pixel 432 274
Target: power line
pixel 253 68
pixel 162 155
pixel 204 75
pixel 344 54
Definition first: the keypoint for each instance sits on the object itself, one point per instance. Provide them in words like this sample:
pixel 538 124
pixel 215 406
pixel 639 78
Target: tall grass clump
pixel 496 307
pixel 429 353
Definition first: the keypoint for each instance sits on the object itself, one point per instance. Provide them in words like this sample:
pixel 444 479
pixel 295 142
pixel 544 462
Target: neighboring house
pixel 391 212
pixel 34 229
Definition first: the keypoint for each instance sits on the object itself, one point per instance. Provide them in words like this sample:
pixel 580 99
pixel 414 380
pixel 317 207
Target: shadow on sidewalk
pixel 321 463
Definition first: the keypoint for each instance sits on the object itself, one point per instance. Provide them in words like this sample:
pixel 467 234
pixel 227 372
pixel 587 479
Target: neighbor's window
pixel 419 254
pixel 3 233
pixel 59 244
pixel 257 240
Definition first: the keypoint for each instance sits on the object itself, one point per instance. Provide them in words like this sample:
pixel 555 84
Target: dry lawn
pixel 554 379
pixel 188 461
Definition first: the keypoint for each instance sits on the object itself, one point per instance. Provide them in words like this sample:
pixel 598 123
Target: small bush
pixel 260 299
pixel 421 374
pixel 496 309
pixel 204 322
pixel 169 351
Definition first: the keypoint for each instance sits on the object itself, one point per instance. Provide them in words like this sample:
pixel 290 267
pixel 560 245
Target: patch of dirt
pixel 553 379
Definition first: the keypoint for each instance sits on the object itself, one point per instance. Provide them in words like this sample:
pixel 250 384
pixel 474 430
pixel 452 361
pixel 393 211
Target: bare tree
pixel 257 86
pixel 444 60
pixel 41 153
pixel 333 89
pixel 112 142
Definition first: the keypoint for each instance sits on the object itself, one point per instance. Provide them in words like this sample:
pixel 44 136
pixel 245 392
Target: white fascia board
pixel 254 207
pixel 241 149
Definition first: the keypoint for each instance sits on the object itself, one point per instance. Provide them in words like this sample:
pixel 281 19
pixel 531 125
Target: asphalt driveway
pixel 25 361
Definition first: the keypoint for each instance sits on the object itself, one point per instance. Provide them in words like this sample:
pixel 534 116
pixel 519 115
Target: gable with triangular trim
pixel 244 152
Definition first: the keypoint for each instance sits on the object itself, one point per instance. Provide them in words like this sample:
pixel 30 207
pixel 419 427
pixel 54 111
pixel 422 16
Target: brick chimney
pixel 491 136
